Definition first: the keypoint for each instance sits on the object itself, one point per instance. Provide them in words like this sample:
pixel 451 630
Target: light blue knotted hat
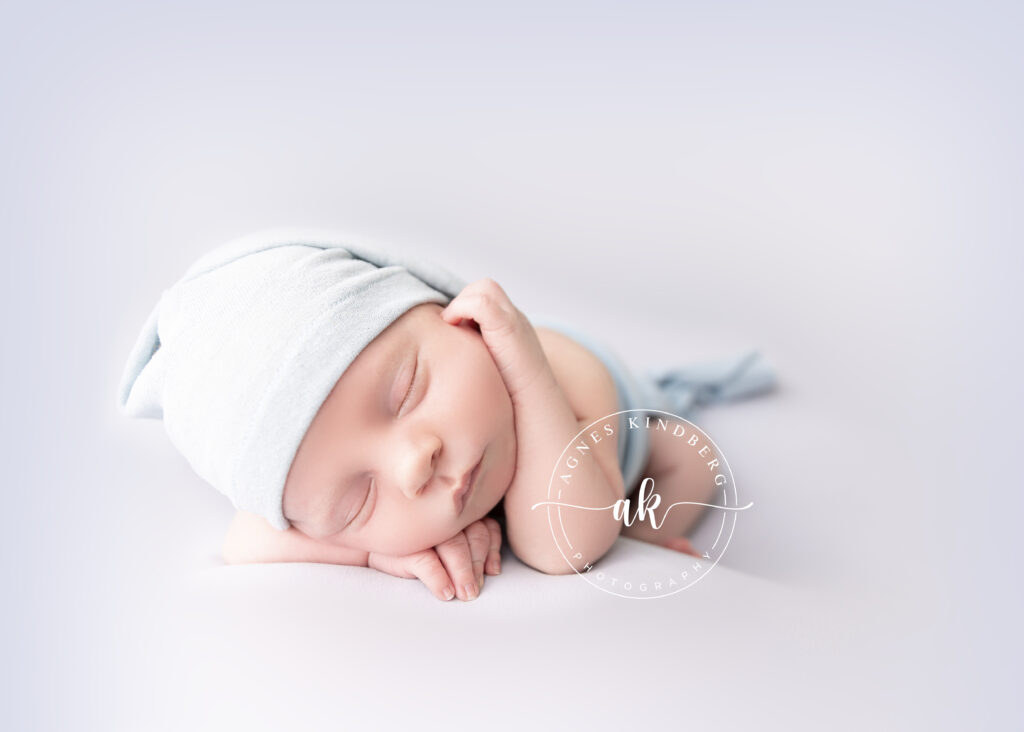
pixel 238 355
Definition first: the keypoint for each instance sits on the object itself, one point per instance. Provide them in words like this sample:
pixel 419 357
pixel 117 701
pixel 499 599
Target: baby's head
pixel 280 364
pixel 419 407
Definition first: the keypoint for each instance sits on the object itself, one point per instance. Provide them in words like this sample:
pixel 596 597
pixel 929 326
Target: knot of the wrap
pixel 690 388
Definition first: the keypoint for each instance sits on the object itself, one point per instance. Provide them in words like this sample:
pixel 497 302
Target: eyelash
pixel 366 500
pixel 412 383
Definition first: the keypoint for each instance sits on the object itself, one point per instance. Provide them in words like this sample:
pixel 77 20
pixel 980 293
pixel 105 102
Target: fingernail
pixel 449 593
pixel 470 591
pixel 497 564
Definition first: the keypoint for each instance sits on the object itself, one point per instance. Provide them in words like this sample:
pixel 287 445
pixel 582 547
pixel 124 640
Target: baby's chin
pixel 483 511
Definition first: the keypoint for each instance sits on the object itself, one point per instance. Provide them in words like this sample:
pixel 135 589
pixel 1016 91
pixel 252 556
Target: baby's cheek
pixel 493 398
pixel 411 536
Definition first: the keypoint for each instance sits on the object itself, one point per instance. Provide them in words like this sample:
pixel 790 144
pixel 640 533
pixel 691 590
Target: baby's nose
pixel 417 470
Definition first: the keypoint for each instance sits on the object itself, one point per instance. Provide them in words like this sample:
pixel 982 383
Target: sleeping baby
pixel 365 408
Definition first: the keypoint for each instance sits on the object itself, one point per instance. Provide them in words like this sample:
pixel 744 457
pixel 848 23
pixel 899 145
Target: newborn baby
pixel 442 428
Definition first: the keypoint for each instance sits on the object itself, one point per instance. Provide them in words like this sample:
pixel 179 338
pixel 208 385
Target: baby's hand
pixel 459 562
pixel 508 334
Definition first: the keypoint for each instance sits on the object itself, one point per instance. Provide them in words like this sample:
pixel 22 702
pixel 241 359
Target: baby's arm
pixel 250 539
pixel 461 560
pixel 545 423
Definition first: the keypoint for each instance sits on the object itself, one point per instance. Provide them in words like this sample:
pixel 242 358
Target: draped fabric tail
pixel 687 389
pixel 682 391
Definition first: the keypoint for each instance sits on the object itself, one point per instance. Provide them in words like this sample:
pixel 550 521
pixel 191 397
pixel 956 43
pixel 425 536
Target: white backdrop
pixel 837 185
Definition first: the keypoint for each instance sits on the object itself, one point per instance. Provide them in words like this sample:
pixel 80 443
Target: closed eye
pixel 412 382
pixel 362 509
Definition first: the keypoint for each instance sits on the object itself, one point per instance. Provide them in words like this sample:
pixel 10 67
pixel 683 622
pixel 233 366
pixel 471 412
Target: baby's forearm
pixel 545 424
pixel 250 539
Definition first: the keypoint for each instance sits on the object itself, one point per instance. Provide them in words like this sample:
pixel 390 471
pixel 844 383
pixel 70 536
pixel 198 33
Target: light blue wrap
pixel 683 391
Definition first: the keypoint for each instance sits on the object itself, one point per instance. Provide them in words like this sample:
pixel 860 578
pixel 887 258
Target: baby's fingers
pixel 457 557
pixel 479 536
pixel 485 302
pixel 493 565
pixel 425 566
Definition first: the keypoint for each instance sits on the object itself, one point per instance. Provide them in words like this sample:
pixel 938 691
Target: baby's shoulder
pixel 584 378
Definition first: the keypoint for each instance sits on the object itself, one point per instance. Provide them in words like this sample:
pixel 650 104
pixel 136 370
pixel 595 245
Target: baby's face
pixel 378 466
